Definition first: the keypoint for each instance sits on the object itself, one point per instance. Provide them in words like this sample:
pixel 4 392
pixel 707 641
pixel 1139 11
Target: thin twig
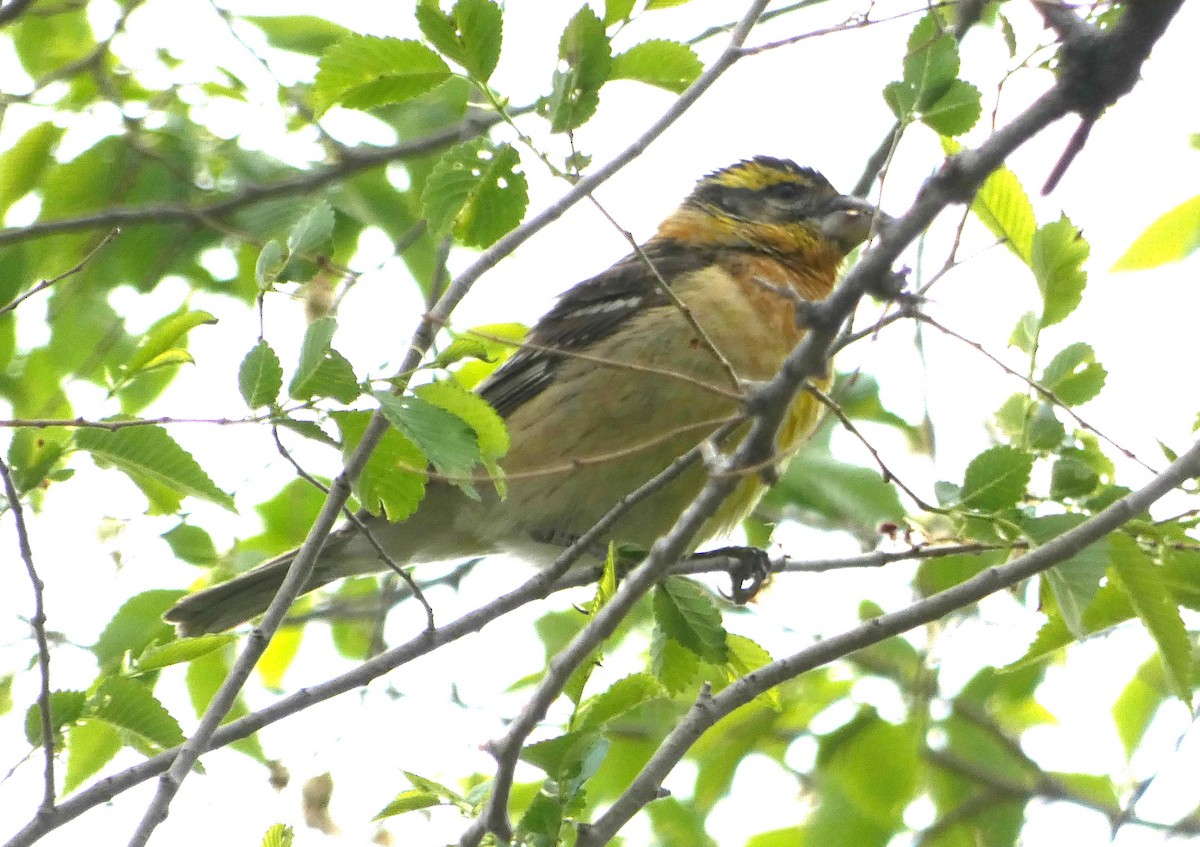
pixel 46 283
pixel 38 624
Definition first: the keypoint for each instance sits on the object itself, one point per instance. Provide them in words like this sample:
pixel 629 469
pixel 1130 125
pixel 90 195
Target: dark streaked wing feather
pixel 587 313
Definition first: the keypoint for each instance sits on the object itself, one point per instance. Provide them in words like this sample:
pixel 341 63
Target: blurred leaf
pixel 1076 580
pixel 622 696
pixel 1138 702
pixel 278 656
pixel 361 72
pixel 164 335
pixel 48 42
pixel 845 496
pixel 354 636
pixel 313 231
pixel 659 62
pixel 91 744
pixel 149 453
pixel 23 165
pixel 1171 238
pixel 204 676
pixel 299 33
pixel 672 664
pixel 278 835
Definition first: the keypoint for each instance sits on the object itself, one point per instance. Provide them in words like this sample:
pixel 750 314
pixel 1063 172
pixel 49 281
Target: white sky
pixel 817 102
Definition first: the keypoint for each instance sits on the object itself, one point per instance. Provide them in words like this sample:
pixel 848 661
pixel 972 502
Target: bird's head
pixel 773 205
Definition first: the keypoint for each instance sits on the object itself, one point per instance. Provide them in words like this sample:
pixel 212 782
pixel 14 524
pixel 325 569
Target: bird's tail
pixel 231 603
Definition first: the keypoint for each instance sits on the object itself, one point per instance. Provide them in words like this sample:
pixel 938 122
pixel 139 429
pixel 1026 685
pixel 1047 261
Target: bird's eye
pixel 786 191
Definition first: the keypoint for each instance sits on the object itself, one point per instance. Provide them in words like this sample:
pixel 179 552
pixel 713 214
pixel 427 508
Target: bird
pixel 626 372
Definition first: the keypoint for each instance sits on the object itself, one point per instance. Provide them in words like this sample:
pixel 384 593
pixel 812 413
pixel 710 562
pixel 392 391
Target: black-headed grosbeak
pixel 628 371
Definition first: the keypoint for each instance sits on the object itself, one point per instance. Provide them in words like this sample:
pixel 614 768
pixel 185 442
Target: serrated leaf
pixel 488 426
pixel 747 656
pixel 162 337
pixel 672 664
pixel 65 708
pixel 622 696
pixel 658 62
pixel 305 34
pixel 931 63
pixel 129 705
pixel 313 230
pixel 469 35
pixel 1002 205
pixel 1174 236
pixel 1074 375
pixel 181 650
pixel 191 544
pixel 996 479
pixel 150 453
pixel 687 614
pixel 1057 257
pixel 91 744
pixel 476 190
pixel 278 835
pixel 585 49
pixel 361 72
pixel 956 111
pixel 1143 583
pixel 393 480
pixel 136 625
pixel 445 439
pixel 260 376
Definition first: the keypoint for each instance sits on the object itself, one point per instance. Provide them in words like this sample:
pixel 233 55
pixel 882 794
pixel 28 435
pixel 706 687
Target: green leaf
pixel 651 5
pixel 687 614
pixel 996 479
pixel 1002 205
pixel 130 706
pixel 270 263
pixel 65 708
pixel 394 479
pixel 299 33
pixel 477 191
pixel 931 62
pixel 50 39
pixel 1143 583
pixel 1138 702
pixel 260 376
pixel 1171 238
pixel 616 11
pixel 659 62
pixel 313 230
pixel 1072 478
pixel 191 544
pixel 444 438
pixel 278 656
pixel 408 801
pixel 956 111
pixel 1074 375
pixel 6 700
pixel 746 656
pixel 278 835
pixel 489 427
pixel 1043 430
pixel 848 496
pixel 134 627
pixel 470 35
pixel 91 744
pixel 161 338
pixel 322 371
pixel 1076 580
pixel 585 49
pixel 361 72
pixel 1059 250
pixel 23 165
pixel 149 453
pixel 354 637
pixel 672 664
pixel 622 696
pixel 181 650
pixel 204 676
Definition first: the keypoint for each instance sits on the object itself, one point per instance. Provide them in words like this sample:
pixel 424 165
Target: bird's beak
pixel 849 220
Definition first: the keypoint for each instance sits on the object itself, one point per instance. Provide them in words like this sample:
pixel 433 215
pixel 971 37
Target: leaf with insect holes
pixel 477 191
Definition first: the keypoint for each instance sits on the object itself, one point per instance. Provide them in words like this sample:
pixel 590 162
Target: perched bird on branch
pixel 628 371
